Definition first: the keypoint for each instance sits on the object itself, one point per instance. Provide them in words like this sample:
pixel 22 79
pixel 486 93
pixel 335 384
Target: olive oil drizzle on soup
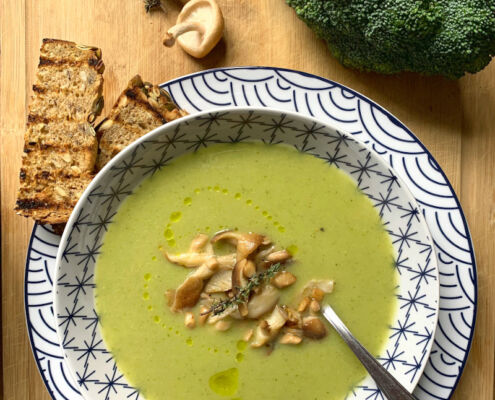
pixel 298 201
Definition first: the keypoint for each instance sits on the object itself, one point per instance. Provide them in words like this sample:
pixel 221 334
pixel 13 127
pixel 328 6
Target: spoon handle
pixel 389 386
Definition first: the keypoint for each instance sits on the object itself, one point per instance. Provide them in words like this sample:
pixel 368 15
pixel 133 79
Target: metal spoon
pixel 389 386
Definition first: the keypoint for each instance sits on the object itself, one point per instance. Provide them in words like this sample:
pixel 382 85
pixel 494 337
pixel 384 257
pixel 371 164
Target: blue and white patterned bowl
pixel 90 362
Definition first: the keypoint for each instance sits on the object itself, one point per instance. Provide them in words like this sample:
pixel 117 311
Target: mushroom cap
pixel 314 328
pixel 208 13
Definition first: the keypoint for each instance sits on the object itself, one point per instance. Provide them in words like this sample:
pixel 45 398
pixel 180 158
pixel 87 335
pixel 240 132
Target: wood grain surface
pixel 454 119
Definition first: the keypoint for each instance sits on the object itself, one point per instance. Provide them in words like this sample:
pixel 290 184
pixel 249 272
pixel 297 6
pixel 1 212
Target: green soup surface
pixel 300 203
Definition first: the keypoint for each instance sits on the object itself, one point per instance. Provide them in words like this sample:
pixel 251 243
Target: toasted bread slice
pixel 60 143
pixel 140 108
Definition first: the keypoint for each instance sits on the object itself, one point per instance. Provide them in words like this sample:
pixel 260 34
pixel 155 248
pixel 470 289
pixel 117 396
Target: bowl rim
pixel 410 386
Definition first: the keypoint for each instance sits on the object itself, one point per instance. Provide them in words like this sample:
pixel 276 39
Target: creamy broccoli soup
pixel 301 204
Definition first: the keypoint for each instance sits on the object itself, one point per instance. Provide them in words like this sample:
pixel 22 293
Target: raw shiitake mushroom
pixel 198 29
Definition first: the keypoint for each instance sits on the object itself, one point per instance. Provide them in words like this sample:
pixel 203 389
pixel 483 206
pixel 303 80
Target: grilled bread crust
pixel 60 143
pixel 140 108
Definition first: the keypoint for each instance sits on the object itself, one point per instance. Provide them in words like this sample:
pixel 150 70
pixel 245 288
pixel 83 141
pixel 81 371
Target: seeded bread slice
pixel 60 143
pixel 140 108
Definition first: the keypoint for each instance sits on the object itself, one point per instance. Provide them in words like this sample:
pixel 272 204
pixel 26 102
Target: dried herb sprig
pixel 150 5
pixel 244 292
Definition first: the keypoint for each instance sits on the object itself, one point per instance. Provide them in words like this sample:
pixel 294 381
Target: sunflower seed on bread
pixel 60 143
pixel 140 108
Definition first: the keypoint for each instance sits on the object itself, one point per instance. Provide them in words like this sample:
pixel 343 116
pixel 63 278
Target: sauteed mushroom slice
pixel 207 270
pixel 220 282
pixel 189 260
pixel 239 280
pixel 198 29
pixel 269 328
pixel 246 243
pixel 193 260
pixel 200 251
pixel 188 294
pixel 243 269
pixel 238 277
pixel 194 256
pixel 262 302
pixel 227 261
pixel 198 243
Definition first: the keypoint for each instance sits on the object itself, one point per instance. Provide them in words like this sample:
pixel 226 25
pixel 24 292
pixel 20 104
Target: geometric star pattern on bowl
pixel 410 337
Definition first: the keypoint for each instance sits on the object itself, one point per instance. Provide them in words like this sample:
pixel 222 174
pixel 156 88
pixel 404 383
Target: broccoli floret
pixel 443 37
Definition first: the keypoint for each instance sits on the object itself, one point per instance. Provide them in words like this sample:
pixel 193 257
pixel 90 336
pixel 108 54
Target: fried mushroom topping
pixel 246 285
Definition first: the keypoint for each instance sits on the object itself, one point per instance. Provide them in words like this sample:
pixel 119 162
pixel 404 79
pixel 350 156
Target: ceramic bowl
pixel 92 365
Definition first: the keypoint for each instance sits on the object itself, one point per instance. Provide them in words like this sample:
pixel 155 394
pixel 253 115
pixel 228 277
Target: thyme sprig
pixel 244 292
pixel 150 5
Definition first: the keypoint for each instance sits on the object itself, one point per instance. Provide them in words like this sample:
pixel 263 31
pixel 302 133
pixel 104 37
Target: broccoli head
pixel 443 37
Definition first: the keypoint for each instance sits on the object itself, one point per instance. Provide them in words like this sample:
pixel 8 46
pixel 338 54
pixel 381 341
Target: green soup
pixel 301 204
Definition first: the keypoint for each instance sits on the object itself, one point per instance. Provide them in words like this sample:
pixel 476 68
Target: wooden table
pixel 454 119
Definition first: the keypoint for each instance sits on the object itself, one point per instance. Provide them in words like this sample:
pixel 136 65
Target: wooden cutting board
pixel 454 119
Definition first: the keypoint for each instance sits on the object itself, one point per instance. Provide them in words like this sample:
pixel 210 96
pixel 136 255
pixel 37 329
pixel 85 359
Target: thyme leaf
pixel 244 292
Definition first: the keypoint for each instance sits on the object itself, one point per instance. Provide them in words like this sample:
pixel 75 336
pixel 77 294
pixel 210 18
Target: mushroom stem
pixel 179 29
